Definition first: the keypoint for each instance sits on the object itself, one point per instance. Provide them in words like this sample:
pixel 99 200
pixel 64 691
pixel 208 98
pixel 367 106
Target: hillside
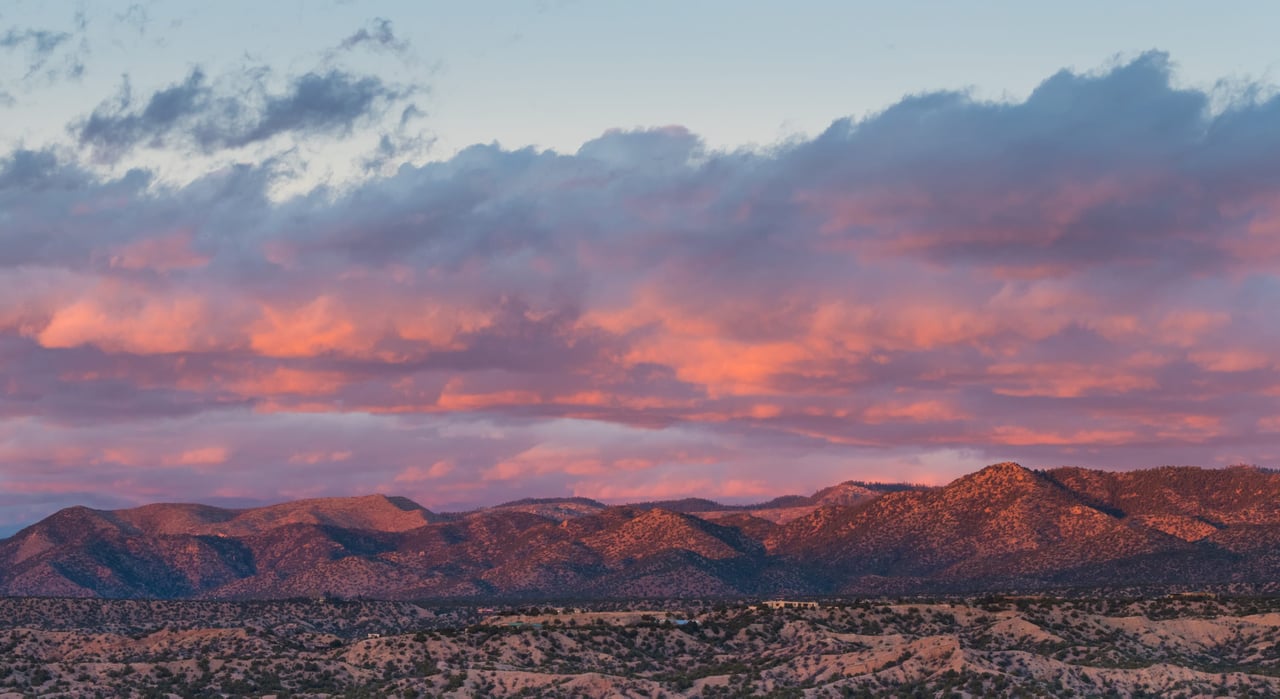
pixel 1004 527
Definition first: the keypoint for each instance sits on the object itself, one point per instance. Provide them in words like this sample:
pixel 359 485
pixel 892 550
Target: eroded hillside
pixel 1167 646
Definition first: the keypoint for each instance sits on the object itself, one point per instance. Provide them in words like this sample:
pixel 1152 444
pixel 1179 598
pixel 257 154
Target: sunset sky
pixel 472 252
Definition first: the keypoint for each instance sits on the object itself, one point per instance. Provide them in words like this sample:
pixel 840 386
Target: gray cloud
pixel 50 54
pixel 404 142
pixel 40 44
pixel 212 117
pixel 378 36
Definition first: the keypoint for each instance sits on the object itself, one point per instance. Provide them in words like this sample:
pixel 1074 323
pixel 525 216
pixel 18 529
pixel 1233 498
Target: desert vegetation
pixel 1181 645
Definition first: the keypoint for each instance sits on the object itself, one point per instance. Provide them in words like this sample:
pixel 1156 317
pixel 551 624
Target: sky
pixel 473 252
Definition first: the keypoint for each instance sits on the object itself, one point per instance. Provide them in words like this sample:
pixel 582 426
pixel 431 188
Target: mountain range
pixel 1002 528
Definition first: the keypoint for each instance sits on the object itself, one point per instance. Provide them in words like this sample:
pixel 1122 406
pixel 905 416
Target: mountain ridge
pixel 1001 527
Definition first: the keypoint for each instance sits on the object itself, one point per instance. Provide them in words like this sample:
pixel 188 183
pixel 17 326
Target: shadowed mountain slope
pixel 1003 527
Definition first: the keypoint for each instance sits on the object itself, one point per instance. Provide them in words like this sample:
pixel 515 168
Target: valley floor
pixel 1164 646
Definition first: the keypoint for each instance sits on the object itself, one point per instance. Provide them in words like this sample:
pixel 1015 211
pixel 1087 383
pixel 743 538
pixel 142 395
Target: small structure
pixel 373 635
pixel 789 604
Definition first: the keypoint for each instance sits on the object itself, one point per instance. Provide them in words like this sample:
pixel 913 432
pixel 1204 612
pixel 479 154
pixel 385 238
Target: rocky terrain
pixel 1164 646
pixel 1004 528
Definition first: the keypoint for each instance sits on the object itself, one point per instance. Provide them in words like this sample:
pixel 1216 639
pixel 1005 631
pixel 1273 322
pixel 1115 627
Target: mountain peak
pixel 998 482
pixel 372 499
pixel 847 493
pixel 1004 471
pixel 371 512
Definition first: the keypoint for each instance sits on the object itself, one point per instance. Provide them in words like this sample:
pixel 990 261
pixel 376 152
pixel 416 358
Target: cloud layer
pixel 1087 276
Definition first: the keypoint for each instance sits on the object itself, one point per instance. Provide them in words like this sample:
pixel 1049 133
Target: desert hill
pixel 1004 527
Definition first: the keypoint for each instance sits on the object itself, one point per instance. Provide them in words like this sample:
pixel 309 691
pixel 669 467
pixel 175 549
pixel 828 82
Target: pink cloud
pixel 1229 360
pixel 202 456
pixel 1016 435
pixel 317 457
pixel 416 474
pixel 156 327
pixel 286 381
pixel 316 327
pixel 1065 380
pixel 921 411
pixel 164 253
pixel 674 488
pixel 1019 280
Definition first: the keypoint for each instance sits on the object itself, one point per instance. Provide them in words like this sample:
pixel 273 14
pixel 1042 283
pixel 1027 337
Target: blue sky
pixel 555 74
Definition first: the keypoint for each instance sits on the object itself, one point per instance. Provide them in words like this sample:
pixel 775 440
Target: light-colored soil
pixel 976 648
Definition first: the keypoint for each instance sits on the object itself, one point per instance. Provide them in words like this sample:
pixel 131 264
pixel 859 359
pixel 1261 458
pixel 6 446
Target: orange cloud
pixel 318 327
pixel 1015 435
pixel 922 411
pixel 723 366
pixel 122 321
pixel 453 397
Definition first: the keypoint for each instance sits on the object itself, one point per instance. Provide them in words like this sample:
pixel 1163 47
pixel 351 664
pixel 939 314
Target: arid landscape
pixel 1160 646
pixel 1005 582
